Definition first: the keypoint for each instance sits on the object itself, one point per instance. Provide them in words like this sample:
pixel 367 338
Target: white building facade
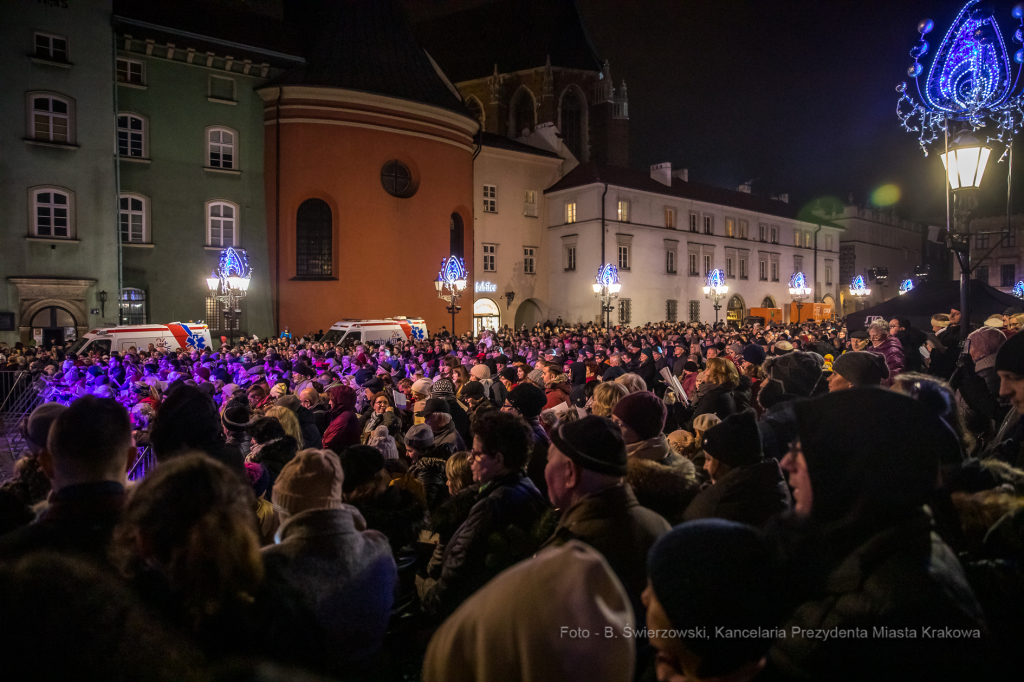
pixel 665 234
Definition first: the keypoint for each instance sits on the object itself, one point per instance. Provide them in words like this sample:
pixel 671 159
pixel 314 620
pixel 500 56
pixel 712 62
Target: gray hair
pixel 880 325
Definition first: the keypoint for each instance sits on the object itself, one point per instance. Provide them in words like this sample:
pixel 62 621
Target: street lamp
pixel 450 283
pixel 607 287
pixel 716 289
pixel 228 284
pixel 799 290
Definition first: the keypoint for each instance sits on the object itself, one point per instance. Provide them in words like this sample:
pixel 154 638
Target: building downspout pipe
pixel 277 211
pixel 817 294
pixel 117 189
pixel 601 264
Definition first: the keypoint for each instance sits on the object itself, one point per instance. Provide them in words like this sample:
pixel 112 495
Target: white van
pixel 347 333
pixel 168 337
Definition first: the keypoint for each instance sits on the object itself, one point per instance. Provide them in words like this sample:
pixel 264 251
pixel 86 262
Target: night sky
pixel 798 95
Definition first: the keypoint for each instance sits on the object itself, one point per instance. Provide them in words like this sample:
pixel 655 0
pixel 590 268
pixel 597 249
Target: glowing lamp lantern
pixel 965 162
pixel 213 282
pixel 597 288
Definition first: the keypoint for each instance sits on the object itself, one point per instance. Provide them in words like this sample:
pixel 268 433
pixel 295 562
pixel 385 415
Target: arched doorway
pixel 486 315
pixel 53 325
pixel 528 313
pixel 768 302
pixel 734 312
pixel 830 303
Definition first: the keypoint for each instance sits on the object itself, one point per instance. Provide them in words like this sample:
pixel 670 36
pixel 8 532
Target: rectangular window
pixel 763 270
pixel 694 311
pixel 709 224
pixel 489 252
pixel 530 204
pixel 570 258
pixel 981 273
pixel 51 47
pixel 762 231
pixel 798 263
pixel 1006 273
pixel 670 218
pixel 796 237
pixel 623 257
pixel 570 211
pixel 670 262
pixel 730 227
pixel 222 88
pixel 490 198
pixel 130 135
pixel 828 243
pixel 981 241
pixel 133 220
pixel 625 311
pixel 728 267
pixel 130 71
pixel 828 276
pixel 50 119
pixel 807 240
pixel 671 310
pixel 693 222
pixel 52 216
pixel 529 260
pixel 693 264
pixel 743 268
pixel 775 234
pixel 707 264
pixel 623 211
pixel 775 271
pixel 743 229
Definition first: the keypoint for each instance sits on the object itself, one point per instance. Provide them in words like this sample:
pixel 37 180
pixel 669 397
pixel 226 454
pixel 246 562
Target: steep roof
pixel 620 176
pixel 502 142
pixel 514 34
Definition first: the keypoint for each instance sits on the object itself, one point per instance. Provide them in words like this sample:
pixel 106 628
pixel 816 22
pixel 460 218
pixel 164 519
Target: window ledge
pixel 47 143
pixel 218 100
pixel 221 248
pixel 134 159
pixel 314 279
pixel 137 86
pixel 50 62
pixel 229 171
pixel 139 245
pixel 52 240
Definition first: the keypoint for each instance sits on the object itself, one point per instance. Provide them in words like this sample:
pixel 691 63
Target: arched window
pixel 221 146
pixel 522 114
pixel 571 124
pixel 457 235
pixel 222 223
pixel 134 224
pixel 314 239
pixel 476 109
pixel 53 213
pixel 767 302
pixel 52 118
pixel 131 136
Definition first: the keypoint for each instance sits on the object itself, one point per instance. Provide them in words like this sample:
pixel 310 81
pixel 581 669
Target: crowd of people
pixel 572 502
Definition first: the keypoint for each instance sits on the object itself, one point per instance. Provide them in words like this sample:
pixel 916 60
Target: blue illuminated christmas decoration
pixel 1018 289
pixel 798 281
pixel 858 287
pixel 453 269
pixel 906 285
pixel 234 263
pixel 716 279
pixel 607 275
pixel 969 79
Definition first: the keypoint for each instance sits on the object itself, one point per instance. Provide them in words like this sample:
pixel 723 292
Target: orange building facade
pixel 330 156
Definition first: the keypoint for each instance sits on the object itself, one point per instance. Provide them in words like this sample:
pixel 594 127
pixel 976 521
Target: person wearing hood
pixel 1008 445
pixel 343 429
pixel 790 377
pixel 641 417
pixel 307 421
pixel 474 394
pixel 857 368
pixel 343 573
pixel 860 550
pixel 648 371
pixel 436 414
pixel 746 488
pixel 444 388
pixel 494 390
pixel 556 387
pixel 976 381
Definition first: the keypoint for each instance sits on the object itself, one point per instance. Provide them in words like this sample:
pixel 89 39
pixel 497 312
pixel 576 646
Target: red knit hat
pixel 643 412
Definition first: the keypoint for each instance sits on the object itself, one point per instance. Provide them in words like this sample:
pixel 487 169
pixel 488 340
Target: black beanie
pixel 735 441
pixel 1010 356
pixel 593 443
pixel 797 371
pixel 360 464
pixel 861 368
pixel 528 398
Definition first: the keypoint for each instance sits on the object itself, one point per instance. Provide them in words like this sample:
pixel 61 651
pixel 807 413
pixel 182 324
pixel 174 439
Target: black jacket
pixel 311 435
pixel 714 399
pixel 749 495
pixel 429 470
pixel 274 455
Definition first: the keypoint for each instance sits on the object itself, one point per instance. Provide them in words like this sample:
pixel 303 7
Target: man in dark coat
pixel 528 401
pixel 791 377
pixel 307 421
pixel 746 487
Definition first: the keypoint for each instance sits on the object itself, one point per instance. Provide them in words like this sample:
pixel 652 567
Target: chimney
pixel 784 198
pixel 683 174
pixel 662 172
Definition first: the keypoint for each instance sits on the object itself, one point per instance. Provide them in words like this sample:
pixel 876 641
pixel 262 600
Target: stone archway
pixel 35 294
pixel 528 313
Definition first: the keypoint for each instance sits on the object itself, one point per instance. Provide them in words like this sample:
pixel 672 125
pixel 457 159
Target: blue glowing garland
pixel 798 281
pixel 716 279
pixel 1018 289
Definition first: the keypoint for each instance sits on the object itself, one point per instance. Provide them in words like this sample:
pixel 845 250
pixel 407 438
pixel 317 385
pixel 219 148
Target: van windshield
pixel 332 336
pixel 351 339
pixel 77 346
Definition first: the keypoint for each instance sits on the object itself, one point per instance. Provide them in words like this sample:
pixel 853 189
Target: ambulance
pixel 172 336
pixel 347 333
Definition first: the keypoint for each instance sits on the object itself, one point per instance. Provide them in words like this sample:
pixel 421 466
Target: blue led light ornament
pixel 716 279
pixel 925 26
pixel 1018 11
pixel 906 285
pixel 920 49
pixel 915 70
pixel 607 275
pixel 858 287
pixel 1018 289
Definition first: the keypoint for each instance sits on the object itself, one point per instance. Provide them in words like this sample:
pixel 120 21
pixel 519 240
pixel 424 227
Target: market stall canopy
pixel 932 298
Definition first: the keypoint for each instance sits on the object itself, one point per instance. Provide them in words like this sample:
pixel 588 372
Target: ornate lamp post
pixel 607 287
pixel 450 283
pixel 715 289
pixel 228 284
pixel 799 290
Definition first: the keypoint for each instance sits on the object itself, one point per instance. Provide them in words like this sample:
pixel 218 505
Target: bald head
pixel 309 397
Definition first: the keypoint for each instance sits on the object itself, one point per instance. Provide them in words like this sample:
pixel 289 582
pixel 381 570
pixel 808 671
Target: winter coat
pixel 1008 445
pixel 778 428
pixel 321 417
pixel 460 418
pixel 750 495
pixel 274 454
pixel 483 408
pixel 557 394
pixel 396 513
pixel 613 522
pixel 450 436
pixel 742 395
pixel 709 399
pixel 496 535
pixel 538 456
pixel 911 341
pixel 370 421
pixel 977 394
pixel 901 576
pixel 429 470
pixel 343 430
pixel 344 574
pixel 311 437
pixel 666 490
pixel 649 373
pixel 892 351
